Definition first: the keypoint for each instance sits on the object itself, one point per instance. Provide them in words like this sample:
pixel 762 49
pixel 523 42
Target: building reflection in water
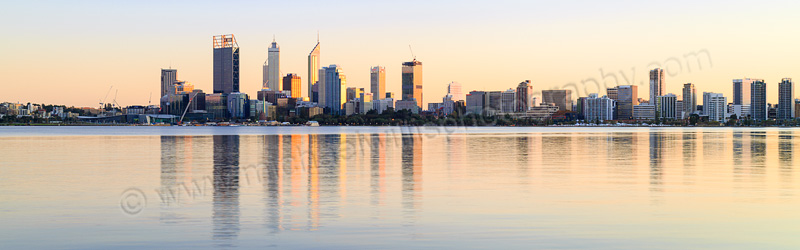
pixel 377 169
pixel 657 148
pixel 411 165
pixel 785 150
pixel 176 176
pixel 225 216
pixel 758 152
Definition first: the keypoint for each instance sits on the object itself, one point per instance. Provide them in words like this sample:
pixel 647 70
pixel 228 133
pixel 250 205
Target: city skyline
pixel 537 48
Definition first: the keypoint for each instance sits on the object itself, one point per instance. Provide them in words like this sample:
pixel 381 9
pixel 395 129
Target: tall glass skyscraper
pixel 377 79
pixel 689 99
pixel 274 67
pixel 313 71
pixel 412 81
pixel 786 99
pixel 524 96
pixel 657 87
pixel 758 100
pixel 335 86
pixel 226 64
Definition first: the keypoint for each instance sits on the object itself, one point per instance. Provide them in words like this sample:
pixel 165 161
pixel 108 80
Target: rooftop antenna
pixel 412 52
pixel 273 38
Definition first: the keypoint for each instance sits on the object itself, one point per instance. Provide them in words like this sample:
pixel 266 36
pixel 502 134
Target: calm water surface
pixel 391 187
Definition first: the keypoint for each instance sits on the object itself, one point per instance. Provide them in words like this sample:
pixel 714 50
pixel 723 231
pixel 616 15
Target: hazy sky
pixel 71 52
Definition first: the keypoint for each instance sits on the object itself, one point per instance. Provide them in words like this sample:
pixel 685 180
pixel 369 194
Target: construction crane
pixel 187 108
pixel 103 101
pixel 412 52
pixel 115 100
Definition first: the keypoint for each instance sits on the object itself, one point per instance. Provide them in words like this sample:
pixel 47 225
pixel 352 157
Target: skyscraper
pixel 689 99
pixel 226 64
pixel 666 106
pixel 265 75
pixel 313 71
pixel 758 100
pixel 786 99
pixel 377 79
pixel 291 82
pixel 454 90
pixel 335 85
pixel 274 67
pixel 657 87
pixel 168 78
pixel 561 97
pixel 524 96
pixel 412 81
pixel 741 91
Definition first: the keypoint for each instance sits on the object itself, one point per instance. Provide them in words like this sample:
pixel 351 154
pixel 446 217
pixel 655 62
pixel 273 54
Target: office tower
pixel 741 91
pixel 454 90
pixel 476 101
pixel 238 105
pixel 524 96
pixel 377 80
pixel 561 97
pixel 291 83
pixel 353 93
pixel 626 96
pixel 714 106
pixel 596 108
pixel 689 99
pixel 666 106
pixel 274 67
pixel 758 100
pixel 657 87
pixel 265 76
pixel 509 103
pixel 412 81
pixel 168 78
pixel 494 102
pixel 320 86
pixel 785 99
pixel 226 64
pixel 313 71
pixel 335 85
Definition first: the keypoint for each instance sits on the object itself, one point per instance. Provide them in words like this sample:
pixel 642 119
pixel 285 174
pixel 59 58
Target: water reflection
pixel 412 172
pixel 226 190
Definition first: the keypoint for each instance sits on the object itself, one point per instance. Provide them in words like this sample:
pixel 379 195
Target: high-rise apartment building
pixel 657 86
pixel 786 99
pixel 561 97
pixel 377 82
pixel 274 66
pixel 524 96
pixel 291 83
pixel 412 81
pixel 689 99
pixel 226 64
pixel 741 91
pixel 313 71
pixel 666 106
pixel 168 78
pixel 758 100
pixel 596 108
pixel 715 106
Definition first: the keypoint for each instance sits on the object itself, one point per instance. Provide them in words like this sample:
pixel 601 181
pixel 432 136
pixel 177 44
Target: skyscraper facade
pixel 786 99
pixel 274 67
pixel 627 96
pixel 313 72
pixel 454 90
pixel 657 87
pixel 666 106
pixel 509 101
pixel 265 75
pixel 168 78
pixel 689 99
pixel 412 81
pixel 758 100
pixel 597 108
pixel 714 106
pixel 226 64
pixel 291 83
pixel 524 96
pixel 377 80
pixel 561 97
pixel 741 91
pixel 335 86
